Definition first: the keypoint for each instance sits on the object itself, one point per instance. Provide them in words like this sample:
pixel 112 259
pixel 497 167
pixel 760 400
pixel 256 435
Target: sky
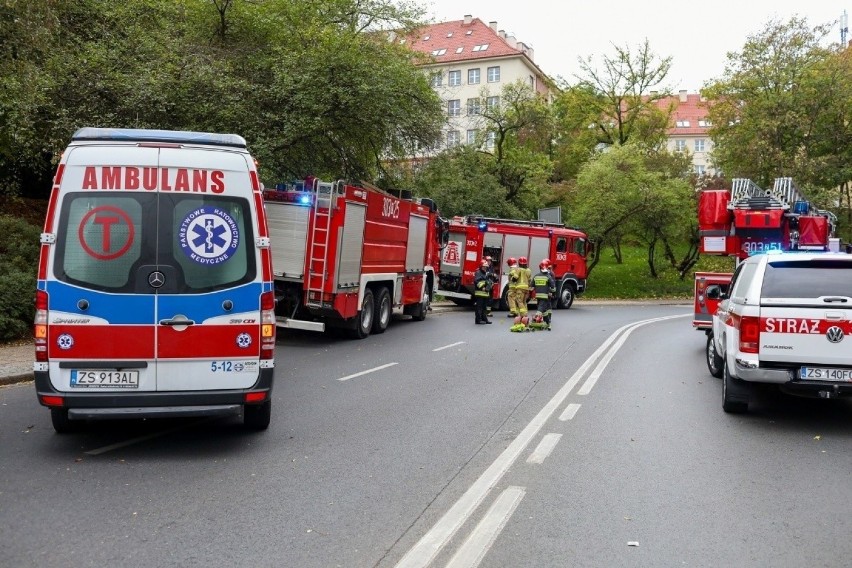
pixel 696 34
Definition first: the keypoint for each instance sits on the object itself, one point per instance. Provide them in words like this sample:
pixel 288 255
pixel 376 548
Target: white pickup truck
pixel 786 321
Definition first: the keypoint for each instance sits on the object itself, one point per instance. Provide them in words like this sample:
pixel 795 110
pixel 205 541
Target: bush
pixel 19 250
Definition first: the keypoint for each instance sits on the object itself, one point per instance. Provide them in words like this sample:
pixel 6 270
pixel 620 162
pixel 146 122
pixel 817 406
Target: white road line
pixel 448 346
pixel 486 532
pixel 346 378
pixel 596 374
pixel 570 412
pixel 145 438
pixel 422 553
pixel 540 453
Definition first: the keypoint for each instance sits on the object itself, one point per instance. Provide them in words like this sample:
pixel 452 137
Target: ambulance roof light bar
pixel 168 136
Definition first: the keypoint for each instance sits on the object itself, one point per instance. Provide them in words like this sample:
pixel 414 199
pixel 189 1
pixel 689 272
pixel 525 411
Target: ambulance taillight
pixel 40 326
pixel 267 325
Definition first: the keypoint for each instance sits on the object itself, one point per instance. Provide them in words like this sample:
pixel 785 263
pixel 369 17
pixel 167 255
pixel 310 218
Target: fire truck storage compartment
pixel 539 250
pixel 764 219
pixel 713 209
pixel 494 241
pixel 350 246
pixel 416 250
pixel 459 240
pixel 813 231
pixel 516 246
pixel 288 222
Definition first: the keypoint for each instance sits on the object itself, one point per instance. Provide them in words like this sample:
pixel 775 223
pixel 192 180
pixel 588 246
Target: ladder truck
pixel 347 256
pixel 748 220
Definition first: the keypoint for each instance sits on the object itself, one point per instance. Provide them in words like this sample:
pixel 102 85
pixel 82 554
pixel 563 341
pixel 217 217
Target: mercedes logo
pixel 834 334
pixel 156 279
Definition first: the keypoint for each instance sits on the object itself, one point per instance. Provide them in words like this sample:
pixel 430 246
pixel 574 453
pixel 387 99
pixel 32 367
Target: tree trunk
pixel 616 251
pixel 652 253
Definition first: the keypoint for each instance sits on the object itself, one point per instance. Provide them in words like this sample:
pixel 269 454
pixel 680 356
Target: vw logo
pixel 834 334
pixel 156 279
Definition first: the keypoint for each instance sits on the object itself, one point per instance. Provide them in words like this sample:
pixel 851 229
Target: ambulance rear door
pixel 207 273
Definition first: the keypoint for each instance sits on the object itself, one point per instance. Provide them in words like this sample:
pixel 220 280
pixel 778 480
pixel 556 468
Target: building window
pixel 473 106
pixel 473 76
pixel 471 136
pixel 699 170
pixel 439 52
pixel 454 107
pixel 682 124
pixel 489 139
pixel 532 81
pixel 452 138
pixel 704 123
pixel 482 47
pixel 493 74
pixel 699 144
pixel 492 103
pixel 437 79
pixel 459 49
pixel 680 145
pixel 454 78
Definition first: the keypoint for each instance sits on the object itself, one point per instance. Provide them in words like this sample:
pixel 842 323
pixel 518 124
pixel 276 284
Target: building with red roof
pixel 688 129
pixel 471 62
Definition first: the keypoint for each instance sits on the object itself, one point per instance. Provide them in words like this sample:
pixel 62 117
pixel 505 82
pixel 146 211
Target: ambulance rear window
pixel 807 279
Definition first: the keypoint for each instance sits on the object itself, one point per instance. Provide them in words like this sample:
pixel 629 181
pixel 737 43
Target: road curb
pixel 14 379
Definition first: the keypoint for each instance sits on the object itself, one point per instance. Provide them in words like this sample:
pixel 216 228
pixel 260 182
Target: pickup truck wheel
pixel 566 296
pixel 257 416
pixel 364 321
pixel 735 394
pixel 714 363
pixel 382 312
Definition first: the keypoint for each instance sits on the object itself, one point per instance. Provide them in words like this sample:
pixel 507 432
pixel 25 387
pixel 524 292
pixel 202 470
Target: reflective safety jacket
pixel 514 276
pixel 524 278
pixel 482 282
pixel 545 285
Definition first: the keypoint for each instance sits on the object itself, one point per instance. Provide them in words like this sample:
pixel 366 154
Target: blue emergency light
pixel 305 200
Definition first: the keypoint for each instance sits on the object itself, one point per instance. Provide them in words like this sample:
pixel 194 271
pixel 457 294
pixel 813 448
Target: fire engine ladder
pixel 786 191
pixel 745 194
pixel 320 235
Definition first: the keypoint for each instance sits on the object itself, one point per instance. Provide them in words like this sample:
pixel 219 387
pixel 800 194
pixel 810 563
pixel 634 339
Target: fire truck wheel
pixel 364 321
pixel 257 416
pixel 714 362
pixel 735 394
pixel 382 312
pixel 566 296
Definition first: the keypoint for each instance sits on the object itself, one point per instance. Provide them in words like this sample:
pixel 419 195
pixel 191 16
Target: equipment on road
pixel 345 255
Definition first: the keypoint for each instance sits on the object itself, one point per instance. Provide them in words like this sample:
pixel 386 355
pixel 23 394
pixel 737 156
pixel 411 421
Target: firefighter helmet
pixel 523 261
pixel 489 259
pixel 545 264
pixel 484 262
pixel 512 261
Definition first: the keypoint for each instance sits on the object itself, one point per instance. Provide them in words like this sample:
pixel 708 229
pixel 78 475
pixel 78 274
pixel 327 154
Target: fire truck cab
pixel 473 238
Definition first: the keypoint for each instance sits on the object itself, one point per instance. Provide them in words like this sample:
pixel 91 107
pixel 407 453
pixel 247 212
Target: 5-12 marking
pixel 221 366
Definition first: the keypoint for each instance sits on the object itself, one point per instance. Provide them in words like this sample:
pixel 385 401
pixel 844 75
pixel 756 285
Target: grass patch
pixel 631 280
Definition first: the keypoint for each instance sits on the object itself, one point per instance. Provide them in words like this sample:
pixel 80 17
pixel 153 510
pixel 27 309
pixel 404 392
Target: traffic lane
pixel 303 498
pixel 650 458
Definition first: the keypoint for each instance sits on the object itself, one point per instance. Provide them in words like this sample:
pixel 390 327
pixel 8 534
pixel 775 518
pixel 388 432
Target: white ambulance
pixel 155 294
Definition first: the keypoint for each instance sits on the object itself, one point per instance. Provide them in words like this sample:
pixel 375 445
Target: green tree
pixel 782 107
pixel 629 189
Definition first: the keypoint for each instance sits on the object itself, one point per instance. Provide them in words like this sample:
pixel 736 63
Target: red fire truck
pixel 748 220
pixel 473 237
pixel 347 255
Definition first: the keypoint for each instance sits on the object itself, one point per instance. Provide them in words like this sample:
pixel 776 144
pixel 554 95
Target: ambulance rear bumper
pixel 117 405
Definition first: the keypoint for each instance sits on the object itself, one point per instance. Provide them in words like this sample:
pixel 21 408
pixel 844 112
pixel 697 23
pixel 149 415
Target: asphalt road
pixel 442 443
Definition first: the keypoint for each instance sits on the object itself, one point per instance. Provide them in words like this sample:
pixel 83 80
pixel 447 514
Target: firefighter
pixel 514 299
pixel 545 289
pixel 492 277
pixel 524 280
pixel 482 293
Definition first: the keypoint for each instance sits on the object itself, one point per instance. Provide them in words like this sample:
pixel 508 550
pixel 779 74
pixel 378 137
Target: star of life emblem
pixel 209 235
pixel 65 341
pixel 243 340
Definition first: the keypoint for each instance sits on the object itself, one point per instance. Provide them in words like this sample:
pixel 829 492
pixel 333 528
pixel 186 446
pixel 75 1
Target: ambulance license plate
pixel 103 379
pixel 825 374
